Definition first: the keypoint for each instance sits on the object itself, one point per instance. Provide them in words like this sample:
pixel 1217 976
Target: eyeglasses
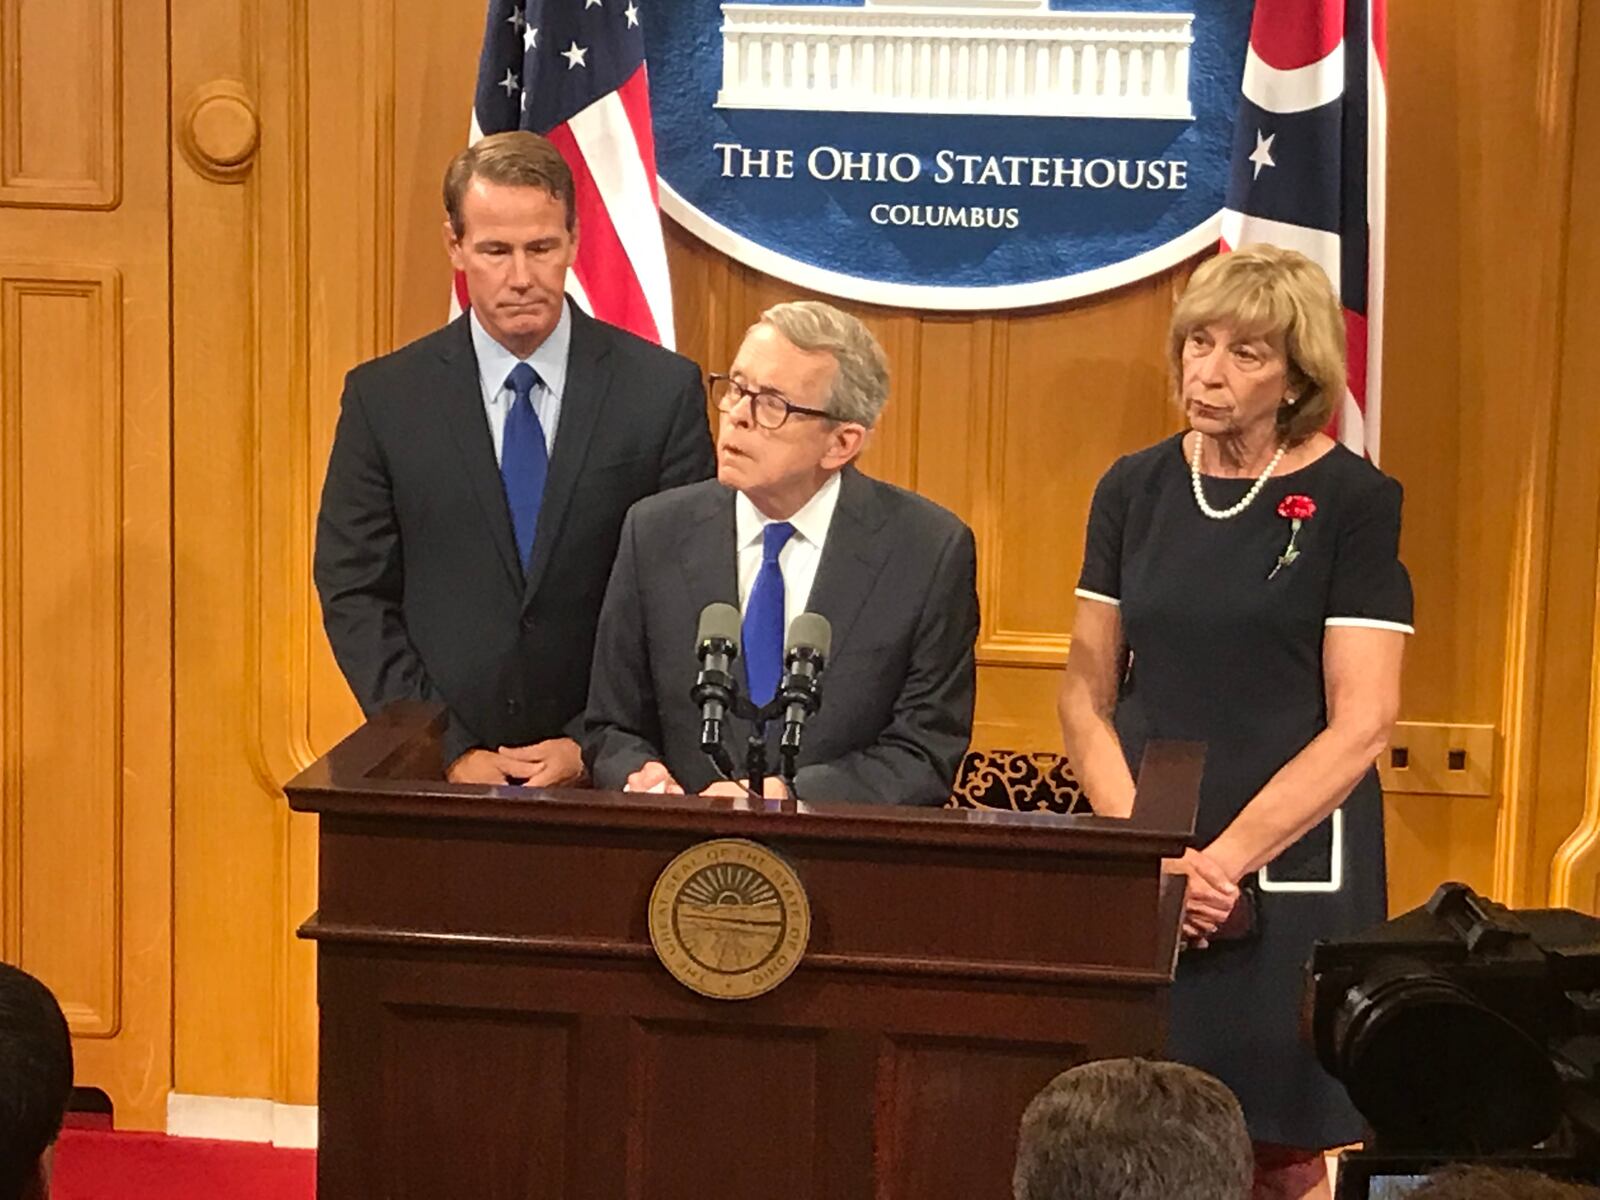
pixel 769 409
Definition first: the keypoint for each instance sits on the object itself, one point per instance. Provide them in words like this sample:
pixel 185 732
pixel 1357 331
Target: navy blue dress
pixel 1221 654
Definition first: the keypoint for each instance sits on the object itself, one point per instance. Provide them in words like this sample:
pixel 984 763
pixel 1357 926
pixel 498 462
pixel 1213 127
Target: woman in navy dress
pixel 1242 587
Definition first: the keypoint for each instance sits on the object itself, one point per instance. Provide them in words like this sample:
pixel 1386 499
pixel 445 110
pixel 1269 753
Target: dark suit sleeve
pixel 359 575
pixel 622 731
pixel 688 456
pixel 914 760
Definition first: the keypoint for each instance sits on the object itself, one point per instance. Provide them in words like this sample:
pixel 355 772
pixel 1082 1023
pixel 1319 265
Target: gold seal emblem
pixel 729 919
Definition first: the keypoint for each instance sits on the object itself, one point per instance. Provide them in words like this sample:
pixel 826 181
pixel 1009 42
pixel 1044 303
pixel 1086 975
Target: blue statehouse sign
pixel 947 154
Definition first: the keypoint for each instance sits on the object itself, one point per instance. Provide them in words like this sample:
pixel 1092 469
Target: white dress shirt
pixel 549 360
pixel 800 554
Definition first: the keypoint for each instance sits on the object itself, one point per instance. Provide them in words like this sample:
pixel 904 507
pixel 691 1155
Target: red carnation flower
pixel 1297 507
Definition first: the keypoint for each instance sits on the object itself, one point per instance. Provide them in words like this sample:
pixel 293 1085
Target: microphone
pixel 805 654
pixel 717 644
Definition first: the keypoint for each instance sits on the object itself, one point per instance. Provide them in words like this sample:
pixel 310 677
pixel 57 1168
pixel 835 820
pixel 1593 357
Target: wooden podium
pixel 495 1022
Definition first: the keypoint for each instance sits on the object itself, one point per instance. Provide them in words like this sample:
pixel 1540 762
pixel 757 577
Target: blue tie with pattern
pixel 524 459
pixel 763 618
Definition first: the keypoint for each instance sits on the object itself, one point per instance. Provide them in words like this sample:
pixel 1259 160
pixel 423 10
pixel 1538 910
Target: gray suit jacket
pixel 897 582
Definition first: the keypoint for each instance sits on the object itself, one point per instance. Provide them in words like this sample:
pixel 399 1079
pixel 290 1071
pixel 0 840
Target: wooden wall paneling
pixel 955 356
pixel 699 302
pixel 11 568
pixel 65 693
pixel 1067 391
pixel 1474 106
pixel 60 103
pixel 351 253
pixel 1526 684
pixel 244 630
pixel 1569 760
pixel 85 553
pixel 892 450
pixel 284 638
pixel 226 826
pixel 1073 389
pixel 435 70
pixel 135 1066
pixel 960 360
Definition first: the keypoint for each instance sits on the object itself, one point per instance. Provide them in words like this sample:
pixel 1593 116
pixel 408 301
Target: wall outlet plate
pixel 1430 759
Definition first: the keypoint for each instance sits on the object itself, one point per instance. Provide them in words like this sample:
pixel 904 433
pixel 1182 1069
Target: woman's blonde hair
pixel 1284 298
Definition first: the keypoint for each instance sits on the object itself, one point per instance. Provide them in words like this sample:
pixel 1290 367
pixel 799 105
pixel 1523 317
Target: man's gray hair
pixel 861 388
pixel 1128 1129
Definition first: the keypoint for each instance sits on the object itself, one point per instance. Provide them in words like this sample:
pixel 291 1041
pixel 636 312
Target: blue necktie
pixel 524 459
pixel 763 618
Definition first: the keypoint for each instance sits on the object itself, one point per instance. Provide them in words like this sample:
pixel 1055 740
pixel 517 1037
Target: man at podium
pixel 791 526
pixel 479 478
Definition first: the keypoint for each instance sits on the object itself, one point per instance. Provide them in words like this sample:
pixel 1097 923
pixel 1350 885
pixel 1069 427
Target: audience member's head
pixel 35 1083
pixel 1128 1129
pixel 1497 1183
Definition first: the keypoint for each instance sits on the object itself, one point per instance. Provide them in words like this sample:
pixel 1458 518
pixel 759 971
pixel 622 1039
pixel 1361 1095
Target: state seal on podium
pixel 729 919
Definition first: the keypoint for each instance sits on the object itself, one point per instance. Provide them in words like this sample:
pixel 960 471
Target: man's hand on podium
pixel 557 762
pixel 653 777
pixel 485 766
pixel 772 788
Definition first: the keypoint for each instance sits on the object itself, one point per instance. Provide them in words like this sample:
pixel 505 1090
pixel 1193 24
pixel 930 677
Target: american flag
pixel 574 71
pixel 1308 168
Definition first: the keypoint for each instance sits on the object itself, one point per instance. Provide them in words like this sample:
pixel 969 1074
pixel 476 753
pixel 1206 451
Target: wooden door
pixel 85 545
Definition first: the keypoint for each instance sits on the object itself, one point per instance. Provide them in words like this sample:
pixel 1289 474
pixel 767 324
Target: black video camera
pixel 1464 1031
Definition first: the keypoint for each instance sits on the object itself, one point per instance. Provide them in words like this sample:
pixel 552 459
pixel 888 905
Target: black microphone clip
pixel 715 688
pixel 800 691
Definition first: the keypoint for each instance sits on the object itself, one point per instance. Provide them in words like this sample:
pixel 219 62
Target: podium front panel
pixel 495 1022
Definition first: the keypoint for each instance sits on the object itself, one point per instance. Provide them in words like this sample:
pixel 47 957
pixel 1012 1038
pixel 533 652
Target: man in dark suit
pixel 479 478
pixel 790 526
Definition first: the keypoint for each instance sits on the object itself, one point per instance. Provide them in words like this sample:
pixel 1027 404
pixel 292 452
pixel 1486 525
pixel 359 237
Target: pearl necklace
pixel 1222 514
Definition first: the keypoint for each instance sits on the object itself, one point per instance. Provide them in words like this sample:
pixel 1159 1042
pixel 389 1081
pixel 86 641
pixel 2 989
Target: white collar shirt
pixel 801 554
pixel 549 360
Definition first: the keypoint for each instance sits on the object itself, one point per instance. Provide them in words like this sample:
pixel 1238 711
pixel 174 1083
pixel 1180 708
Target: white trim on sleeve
pixel 1369 623
pixel 1086 594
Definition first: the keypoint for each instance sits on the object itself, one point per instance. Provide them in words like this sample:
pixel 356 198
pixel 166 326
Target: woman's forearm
pixel 1303 792
pixel 1087 698
pixel 1095 755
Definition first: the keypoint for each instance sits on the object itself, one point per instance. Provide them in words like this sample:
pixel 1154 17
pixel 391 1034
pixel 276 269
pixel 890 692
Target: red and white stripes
pixel 620 275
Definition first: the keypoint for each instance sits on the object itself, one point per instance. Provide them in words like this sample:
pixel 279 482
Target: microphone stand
pixel 718 753
pixel 798 698
pixel 755 756
pixel 755 748
pixel 793 689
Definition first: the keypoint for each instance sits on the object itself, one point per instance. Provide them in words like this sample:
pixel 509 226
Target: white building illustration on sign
pixel 968 57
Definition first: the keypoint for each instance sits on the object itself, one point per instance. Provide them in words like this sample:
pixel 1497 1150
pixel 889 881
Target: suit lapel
pixel 462 393
pixel 852 556
pixel 708 556
pixel 583 404
pixel 707 552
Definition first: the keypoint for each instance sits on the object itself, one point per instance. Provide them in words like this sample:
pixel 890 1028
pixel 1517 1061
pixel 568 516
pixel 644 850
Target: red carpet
pixel 94 1164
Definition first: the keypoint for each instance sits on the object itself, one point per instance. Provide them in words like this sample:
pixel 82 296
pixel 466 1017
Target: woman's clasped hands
pixel 1210 896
